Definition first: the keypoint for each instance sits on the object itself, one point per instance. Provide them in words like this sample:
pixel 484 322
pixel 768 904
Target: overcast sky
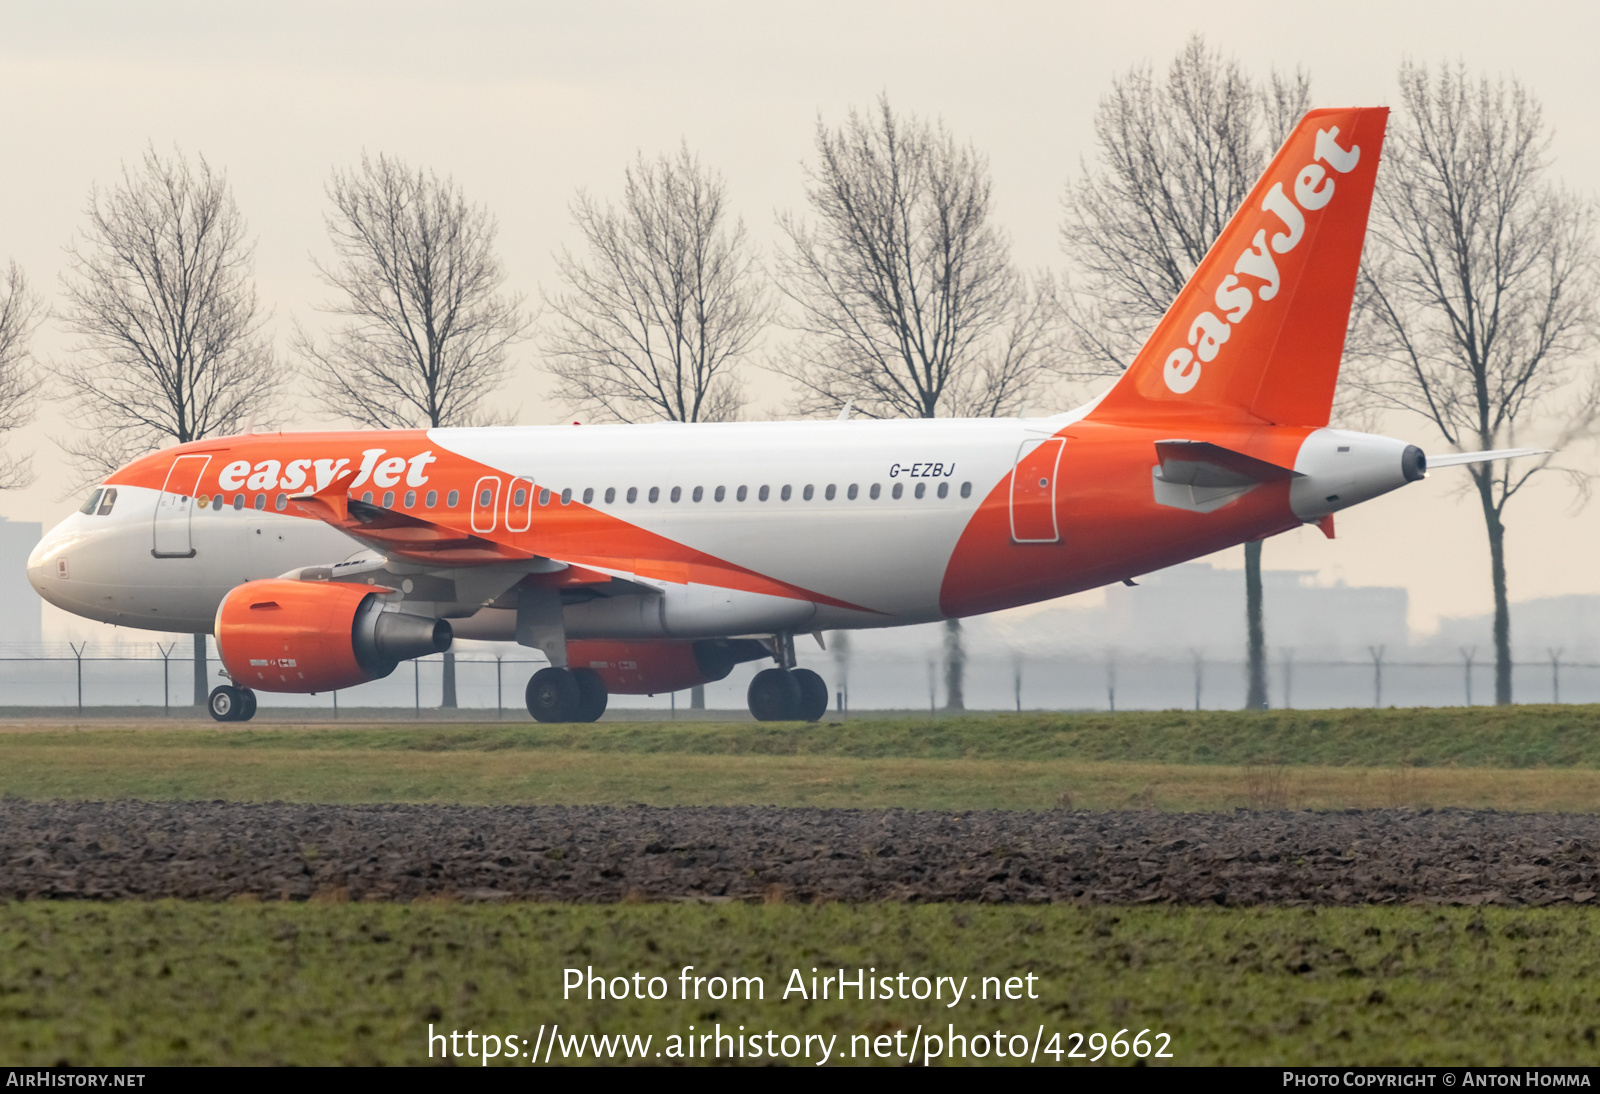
pixel 524 103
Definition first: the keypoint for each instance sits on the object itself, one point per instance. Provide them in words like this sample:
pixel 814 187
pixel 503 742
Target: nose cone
pixel 47 563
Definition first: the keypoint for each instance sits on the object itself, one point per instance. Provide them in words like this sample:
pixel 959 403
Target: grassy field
pixel 1530 758
pixel 167 982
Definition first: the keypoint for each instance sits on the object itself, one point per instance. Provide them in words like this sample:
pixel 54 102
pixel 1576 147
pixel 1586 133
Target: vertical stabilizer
pixel 1257 333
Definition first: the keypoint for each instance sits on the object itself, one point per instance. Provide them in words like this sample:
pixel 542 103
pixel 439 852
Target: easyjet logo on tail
pixel 1208 331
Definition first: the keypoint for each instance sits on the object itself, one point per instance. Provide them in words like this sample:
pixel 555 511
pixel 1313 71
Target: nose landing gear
pixel 231 704
pixel 788 695
pixel 566 695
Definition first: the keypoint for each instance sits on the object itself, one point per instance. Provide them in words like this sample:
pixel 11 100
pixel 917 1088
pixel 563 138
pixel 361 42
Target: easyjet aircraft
pixel 649 558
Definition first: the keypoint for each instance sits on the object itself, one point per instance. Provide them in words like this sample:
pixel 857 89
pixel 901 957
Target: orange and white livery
pixel 648 558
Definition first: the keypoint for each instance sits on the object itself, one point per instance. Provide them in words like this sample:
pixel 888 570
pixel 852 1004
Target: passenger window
pixel 633 494
pixel 92 504
pixel 281 502
pixel 744 492
pixel 655 494
pixel 107 500
pixel 566 496
pixel 411 499
pixel 763 493
pixel 451 499
pixel 699 492
pixel 485 499
pixel 611 494
pixel 852 492
pixel 388 499
pixel 944 489
pixel 261 500
pixel 722 492
pixel 677 493
pixel 807 493
pixel 216 503
pixel 520 497
pixel 544 497
pixel 876 490
pixel 922 489
pixel 830 491
pixel 786 492
pixel 588 495
pixel 432 499
pixel 899 490
pixel 966 490
pixel 238 501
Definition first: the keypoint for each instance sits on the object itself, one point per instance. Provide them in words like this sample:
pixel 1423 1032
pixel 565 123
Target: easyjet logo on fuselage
pixel 310 476
pixel 1313 189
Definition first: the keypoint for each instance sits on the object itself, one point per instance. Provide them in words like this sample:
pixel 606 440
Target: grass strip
pixel 176 983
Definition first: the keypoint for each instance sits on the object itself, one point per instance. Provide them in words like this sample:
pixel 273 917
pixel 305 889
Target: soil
pixel 219 851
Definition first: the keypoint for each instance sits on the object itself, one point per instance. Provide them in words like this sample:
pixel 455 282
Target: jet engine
pixel 307 636
pixel 649 668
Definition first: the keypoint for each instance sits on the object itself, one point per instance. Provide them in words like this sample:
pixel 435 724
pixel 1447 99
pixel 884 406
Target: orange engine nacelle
pixel 308 636
pixel 649 668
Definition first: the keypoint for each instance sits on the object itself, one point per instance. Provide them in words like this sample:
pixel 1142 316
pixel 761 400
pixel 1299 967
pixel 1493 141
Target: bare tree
pixel 907 302
pixel 21 311
pixel 1177 157
pixel 428 326
pixel 1479 290
pixel 670 299
pixel 159 291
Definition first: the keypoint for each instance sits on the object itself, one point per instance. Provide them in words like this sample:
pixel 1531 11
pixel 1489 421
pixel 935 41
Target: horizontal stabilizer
pixel 1201 463
pixel 1454 459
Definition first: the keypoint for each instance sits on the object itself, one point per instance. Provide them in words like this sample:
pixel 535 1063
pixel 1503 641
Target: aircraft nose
pixel 46 561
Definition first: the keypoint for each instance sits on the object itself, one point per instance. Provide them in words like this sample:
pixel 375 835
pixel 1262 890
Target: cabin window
pixel 261 500
pixel 588 495
pixel 808 492
pixel 655 494
pixel 677 493
pixel 966 490
pixel 744 492
pixel 922 489
pixel 830 491
pixel 520 497
pixel 544 497
pixel 388 499
pixel 611 494
pixel 764 493
pixel 899 490
pixel 92 504
pixel 944 490
pixel 852 492
pixel 451 499
pixel 566 496
pixel 787 490
pixel 699 493
pixel 485 499
pixel 216 503
pixel 411 499
pixel 722 492
pixel 281 502
pixel 875 491
pixel 633 494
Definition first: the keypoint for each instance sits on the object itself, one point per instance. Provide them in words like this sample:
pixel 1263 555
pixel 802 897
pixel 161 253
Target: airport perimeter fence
pixel 82 678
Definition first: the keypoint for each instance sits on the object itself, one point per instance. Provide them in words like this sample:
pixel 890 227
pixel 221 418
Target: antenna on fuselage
pixel 844 411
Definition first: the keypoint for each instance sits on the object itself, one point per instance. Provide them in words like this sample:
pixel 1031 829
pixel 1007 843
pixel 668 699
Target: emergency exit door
pixel 174 507
pixel 1033 492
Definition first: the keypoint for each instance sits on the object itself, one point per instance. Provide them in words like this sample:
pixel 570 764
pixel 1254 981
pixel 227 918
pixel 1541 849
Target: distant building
pixel 20 607
pixel 1567 624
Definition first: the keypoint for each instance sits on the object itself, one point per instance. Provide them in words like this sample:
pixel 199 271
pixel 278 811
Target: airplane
pixel 641 559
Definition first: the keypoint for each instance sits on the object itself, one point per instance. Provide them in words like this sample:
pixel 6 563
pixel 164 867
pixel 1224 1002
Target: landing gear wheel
pixel 553 696
pixel 592 695
pixel 247 710
pixel 774 696
pixel 227 703
pixel 813 695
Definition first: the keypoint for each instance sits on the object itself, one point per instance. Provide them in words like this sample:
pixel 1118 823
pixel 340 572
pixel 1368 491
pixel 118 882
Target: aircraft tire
pixel 592 695
pixel 813 695
pixel 247 709
pixel 553 696
pixel 226 703
pixel 774 696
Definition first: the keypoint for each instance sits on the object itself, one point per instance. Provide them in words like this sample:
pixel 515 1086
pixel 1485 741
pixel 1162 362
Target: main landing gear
pixel 566 695
pixel 231 704
pixel 788 695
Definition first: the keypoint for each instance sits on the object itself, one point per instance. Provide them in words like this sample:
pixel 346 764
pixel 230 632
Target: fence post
pixel 499 707
pixel 1288 678
pixel 1111 685
pixel 1199 670
pixel 335 704
pixel 1377 674
pixel 166 676
pixel 1016 682
pixel 77 652
pixel 1466 656
pixel 1555 675
pixel 416 683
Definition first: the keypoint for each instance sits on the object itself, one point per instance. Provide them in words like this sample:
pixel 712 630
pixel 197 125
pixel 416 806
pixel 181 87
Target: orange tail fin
pixel 1256 334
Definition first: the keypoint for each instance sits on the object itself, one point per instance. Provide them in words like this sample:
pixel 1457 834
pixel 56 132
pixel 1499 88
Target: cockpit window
pixel 107 500
pixel 90 505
